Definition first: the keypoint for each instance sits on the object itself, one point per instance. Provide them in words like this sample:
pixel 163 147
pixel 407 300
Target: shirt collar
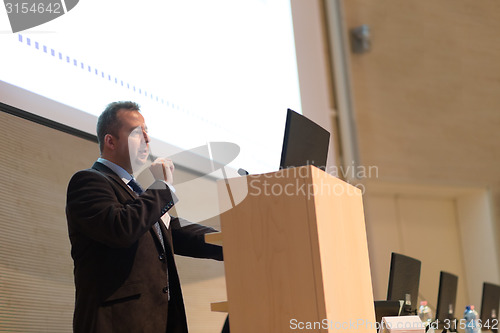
pixel 121 172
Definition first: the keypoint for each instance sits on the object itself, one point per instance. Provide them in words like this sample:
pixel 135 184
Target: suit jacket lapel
pixel 108 172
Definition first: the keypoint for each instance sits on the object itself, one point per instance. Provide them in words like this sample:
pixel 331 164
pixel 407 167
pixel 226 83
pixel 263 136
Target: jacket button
pixel 161 257
pixel 165 290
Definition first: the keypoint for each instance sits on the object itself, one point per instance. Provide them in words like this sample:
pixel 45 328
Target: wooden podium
pixel 295 254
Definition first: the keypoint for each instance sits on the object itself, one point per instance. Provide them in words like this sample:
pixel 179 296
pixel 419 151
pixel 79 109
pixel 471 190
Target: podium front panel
pixel 295 254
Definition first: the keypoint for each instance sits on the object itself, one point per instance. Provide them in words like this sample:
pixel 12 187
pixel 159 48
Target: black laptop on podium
pixel 304 143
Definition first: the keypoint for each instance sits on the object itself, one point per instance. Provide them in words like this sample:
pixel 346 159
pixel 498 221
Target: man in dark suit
pixel 123 240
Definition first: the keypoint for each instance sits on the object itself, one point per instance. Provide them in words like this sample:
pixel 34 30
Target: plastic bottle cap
pixel 424 303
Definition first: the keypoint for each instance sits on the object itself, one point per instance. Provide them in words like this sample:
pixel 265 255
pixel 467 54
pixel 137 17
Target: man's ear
pixel 109 142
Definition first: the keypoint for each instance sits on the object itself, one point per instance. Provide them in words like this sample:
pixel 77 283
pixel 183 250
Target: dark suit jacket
pixel 120 266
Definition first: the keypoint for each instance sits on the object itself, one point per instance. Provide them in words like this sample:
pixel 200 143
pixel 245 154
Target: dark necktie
pixel 134 185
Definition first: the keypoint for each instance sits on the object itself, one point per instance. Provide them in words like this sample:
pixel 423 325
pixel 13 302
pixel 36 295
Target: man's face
pixel 132 142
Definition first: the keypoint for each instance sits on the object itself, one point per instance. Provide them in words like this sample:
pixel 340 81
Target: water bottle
pixel 425 313
pixel 471 320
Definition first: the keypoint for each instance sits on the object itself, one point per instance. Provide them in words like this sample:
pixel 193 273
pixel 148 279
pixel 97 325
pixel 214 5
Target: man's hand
pixel 163 169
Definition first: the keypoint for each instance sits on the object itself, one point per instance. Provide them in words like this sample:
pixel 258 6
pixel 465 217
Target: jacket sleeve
pixel 189 240
pixel 103 211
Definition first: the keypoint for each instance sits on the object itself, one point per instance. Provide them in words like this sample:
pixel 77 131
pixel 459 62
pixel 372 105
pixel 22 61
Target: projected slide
pixel 202 71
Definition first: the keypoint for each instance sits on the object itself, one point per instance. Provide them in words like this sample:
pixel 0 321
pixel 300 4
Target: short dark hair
pixel 108 122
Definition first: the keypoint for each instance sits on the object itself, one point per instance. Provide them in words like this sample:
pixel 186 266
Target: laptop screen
pixel 304 143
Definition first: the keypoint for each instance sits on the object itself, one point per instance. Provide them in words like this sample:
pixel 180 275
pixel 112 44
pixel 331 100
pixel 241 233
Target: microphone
pixel 242 172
